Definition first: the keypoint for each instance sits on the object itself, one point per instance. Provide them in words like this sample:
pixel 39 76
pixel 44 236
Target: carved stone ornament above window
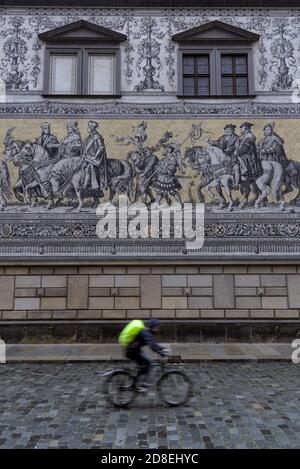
pixel 215 31
pixel 82 31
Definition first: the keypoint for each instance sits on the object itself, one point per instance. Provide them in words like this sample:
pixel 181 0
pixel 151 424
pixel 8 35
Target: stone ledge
pixel 192 352
pixel 172 330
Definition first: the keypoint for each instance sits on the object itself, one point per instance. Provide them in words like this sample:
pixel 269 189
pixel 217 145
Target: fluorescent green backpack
pixel 130 332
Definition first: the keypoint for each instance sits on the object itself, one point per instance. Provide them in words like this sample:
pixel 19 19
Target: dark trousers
pixel 143 362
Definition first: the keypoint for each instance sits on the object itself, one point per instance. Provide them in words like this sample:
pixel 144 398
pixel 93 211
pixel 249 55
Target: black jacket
pixel 143 338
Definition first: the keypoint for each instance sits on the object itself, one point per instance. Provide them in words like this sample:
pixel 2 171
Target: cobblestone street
pixel 253 405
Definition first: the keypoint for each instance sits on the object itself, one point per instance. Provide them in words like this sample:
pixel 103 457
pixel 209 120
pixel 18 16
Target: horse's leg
pixel 296 200
pixel 96 201
pixel 157 200
pixel 226 182
pixel 289 188
pixel 178 198
pixel 128 195
pixel 201 196
pixel 219 190
pixel 255 191
pixel 220 194
pixel 247 192
pixel 150 194
pixel 58 201
pixel 208 189
pixel 262 184
pixel 276 183
pixel 79 199
pixel 2 201
pixel 51 201
pixel 112 194
pixel 168 200
pixel 76 179
pixel 211 185
pixel 29 189
pixel 34 200
pixel 18 191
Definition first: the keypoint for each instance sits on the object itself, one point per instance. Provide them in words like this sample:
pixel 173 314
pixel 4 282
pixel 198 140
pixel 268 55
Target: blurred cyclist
pixel 145 336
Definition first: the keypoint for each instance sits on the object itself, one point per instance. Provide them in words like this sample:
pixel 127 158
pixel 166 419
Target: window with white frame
pixel 82 59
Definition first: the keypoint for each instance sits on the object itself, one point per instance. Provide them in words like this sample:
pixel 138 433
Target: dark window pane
pixel 203 86
pixel 241 85
pixel 188 65
pixel 203 64
pixel 227 64
pixel 241 64
pixel 188 86
pixel 227 85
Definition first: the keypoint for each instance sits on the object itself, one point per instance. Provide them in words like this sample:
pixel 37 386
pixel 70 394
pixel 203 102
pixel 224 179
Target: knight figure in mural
pixel 247 166
pixel 144 163
pixel 271 146
pixel 71 145
pixel 94 156
pixel 228 143
pixel 47 140
pixel 165 181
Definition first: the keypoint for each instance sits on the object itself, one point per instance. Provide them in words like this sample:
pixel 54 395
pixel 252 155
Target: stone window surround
pixel 82 52
pixel 82 44
pixel 215 51
pixel 215 38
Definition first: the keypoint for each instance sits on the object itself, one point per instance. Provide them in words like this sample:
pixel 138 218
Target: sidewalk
pixel 192 352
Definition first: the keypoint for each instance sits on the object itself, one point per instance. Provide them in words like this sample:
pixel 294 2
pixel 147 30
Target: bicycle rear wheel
pixel 174 388
pixel 119 388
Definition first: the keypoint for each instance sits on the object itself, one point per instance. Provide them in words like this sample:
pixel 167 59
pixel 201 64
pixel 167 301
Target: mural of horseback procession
pixel 53 171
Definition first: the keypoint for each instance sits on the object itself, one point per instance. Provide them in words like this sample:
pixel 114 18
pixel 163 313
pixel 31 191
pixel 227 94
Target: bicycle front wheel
pixel 174 388
pixel 119 388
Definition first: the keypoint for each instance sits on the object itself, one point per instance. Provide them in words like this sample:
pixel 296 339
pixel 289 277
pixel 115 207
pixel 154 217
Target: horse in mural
pixel 292 180
pixel 66 176
pixel 57 179
pixel 212 163
pixel 34 169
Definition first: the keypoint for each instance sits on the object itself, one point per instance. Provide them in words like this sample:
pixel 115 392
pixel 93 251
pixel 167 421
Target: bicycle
pixel 173 386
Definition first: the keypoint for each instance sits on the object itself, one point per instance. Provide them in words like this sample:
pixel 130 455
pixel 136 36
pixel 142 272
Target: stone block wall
pixel 170 292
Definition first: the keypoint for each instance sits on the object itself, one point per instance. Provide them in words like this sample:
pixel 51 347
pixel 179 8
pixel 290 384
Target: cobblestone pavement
pixel 235 405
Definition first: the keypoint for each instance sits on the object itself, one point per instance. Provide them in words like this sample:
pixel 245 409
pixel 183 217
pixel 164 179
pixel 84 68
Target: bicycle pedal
pixel 141 390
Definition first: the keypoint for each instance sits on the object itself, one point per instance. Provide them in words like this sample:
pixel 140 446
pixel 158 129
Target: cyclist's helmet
pixel 153 324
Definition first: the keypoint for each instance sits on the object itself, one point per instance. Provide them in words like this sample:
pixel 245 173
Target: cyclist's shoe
pixel 142 389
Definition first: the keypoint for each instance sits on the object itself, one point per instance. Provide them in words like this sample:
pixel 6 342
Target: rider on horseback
pixel 70 146
pixel 48 141
pixel 247 166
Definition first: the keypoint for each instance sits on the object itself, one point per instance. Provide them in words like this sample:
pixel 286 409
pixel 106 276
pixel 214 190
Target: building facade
pixel 182 104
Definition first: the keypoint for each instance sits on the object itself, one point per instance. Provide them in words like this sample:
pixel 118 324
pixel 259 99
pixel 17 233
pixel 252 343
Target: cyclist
pixel 134 352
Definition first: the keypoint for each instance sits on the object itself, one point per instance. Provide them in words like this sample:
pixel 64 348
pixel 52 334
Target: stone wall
pixel 167 292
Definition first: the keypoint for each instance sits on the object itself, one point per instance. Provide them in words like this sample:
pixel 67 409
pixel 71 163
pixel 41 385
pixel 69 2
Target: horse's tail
pixel 128 172
pixel 5 180
pixel 123 181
